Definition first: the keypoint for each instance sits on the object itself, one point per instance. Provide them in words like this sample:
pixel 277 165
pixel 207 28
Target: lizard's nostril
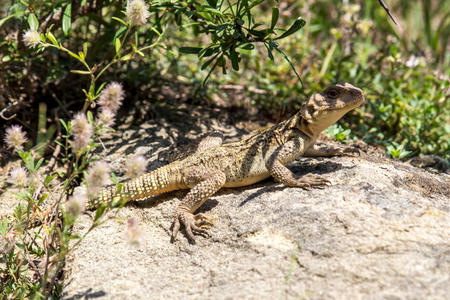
pixel 357 92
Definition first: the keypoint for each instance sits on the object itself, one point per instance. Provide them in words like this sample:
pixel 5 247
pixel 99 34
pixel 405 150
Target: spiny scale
pixel 242 163
pixel 156 182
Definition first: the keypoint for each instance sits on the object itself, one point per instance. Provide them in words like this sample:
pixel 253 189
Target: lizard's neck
pixel 297 121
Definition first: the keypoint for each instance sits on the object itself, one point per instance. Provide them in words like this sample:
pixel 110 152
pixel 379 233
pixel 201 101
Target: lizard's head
pixel 325 108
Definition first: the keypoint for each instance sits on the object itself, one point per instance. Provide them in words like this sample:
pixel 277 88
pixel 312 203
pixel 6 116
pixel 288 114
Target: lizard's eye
pixel 332 93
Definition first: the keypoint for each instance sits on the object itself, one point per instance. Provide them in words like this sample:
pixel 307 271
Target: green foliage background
pixel 402 69
pixel 276 53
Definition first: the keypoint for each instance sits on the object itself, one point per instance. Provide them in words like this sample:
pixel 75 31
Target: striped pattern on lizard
pixel 214 165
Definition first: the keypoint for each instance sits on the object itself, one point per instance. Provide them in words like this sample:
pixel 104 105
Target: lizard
pixel 214 165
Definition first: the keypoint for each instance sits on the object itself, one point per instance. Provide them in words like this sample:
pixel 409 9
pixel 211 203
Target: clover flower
pixel 97 176
pixel 133 232
pixel 136 166
pixel 112 96
pixel 18 177
pixel 77 202
pixel 15 137
pixel 106 117
pixel 137 12
pixel 34 181
pixel 82 131
pixel 31 38
pixel 413 61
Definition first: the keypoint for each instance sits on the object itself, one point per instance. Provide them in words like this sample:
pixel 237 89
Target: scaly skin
pixel 213 165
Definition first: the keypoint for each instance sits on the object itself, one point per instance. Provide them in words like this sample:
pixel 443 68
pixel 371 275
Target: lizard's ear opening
pixel 307 111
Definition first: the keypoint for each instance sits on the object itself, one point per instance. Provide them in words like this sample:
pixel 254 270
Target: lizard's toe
pixel 309 181
pixel 192 223
pixel 202 221
pixel 175 228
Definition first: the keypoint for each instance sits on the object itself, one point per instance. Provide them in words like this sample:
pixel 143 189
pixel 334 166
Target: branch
pixel 386 8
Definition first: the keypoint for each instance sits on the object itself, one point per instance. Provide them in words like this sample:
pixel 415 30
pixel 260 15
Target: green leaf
pixel 90 117
pixel 120 31
pixel 99 213
pixel 117 45
pixel 120 21
pixel 49 179
pixel 127 57
pixel 100 88
pixel 33 22
pixel 42 198
pixel 269 52
pixel 208 51
pixel 273 44
pixel 213 11
pixel 275 14
pixel 52 38
pixel 118 201
pixel 74 55
pixel 190 50
pixel 298 24
pixel 80 72
pixel 85 47
pixel 114 179
pixel 64 125
pixel 234 59
pixel 38 164
pixel 81 55
pixel 258 33
pixel 67 19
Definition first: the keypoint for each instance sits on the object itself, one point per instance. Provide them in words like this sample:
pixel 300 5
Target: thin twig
pixel 386 8
pixel 5 110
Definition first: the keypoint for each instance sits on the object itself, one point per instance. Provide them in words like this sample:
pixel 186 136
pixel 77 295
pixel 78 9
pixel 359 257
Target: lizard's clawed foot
pixel 311 180
pixel 192 224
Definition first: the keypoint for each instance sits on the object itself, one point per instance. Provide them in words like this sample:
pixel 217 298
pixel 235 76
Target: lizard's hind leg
pixel 205 182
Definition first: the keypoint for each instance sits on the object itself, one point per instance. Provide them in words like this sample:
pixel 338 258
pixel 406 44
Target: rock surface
pixel 380 231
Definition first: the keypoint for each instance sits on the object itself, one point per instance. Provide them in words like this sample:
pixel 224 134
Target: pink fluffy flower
pixel 31 38
pixel 15 137
pixel 82 131
pixel 18 177
pixel 133 232
pixel 137 12
pixel 106 117
pixel 98 175
pixel 111 97
pixel 136 166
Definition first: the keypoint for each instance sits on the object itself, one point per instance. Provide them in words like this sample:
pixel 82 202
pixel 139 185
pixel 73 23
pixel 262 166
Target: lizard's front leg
pixel 205 182
pixel 285 154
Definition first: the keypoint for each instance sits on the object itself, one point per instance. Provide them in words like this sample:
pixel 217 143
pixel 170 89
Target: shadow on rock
pixel 88 294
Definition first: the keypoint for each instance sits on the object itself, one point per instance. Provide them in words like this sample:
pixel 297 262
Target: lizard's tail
pixel 161 180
